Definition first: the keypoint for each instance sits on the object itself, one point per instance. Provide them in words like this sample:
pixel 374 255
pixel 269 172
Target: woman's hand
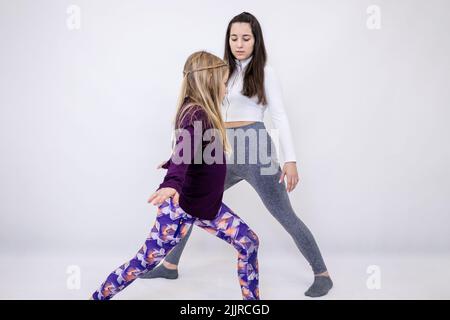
pixel 291 174
pixel 162 195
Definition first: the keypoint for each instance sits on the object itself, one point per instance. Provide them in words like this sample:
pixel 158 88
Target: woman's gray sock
pixel 320 286
pixel 160 272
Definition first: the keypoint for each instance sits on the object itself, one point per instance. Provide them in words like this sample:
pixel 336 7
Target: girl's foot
pixel 321 285
pixel 164 270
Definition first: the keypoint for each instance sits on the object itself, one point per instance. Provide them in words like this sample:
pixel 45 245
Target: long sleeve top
pixel 199 184
pixel 237 107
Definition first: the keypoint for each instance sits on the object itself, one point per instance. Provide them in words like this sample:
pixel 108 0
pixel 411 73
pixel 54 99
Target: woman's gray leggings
pixel 252 161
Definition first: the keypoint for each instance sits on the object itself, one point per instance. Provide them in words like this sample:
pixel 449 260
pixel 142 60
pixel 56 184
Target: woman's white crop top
pixel 237 107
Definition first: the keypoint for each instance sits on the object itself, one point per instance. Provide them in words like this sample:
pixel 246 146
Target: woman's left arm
pixel 280 121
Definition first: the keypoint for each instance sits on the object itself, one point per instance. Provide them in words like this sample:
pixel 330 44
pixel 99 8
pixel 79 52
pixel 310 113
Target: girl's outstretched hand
pixel 290 172
pixel 162 195
pixel 161 164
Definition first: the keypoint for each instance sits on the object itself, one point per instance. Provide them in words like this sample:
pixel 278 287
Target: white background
pixel 86 118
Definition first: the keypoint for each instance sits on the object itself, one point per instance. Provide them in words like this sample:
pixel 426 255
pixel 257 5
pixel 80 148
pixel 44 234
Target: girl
pixel 191 193
pixel 253 88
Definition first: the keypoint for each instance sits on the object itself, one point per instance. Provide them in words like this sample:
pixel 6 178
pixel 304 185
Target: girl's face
pixel 241 40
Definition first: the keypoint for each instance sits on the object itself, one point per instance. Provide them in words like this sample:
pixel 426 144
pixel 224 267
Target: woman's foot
pixel 165 270
pixel 321 285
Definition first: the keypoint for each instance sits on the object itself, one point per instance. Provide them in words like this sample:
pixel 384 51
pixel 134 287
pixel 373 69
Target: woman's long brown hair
pixel 254 74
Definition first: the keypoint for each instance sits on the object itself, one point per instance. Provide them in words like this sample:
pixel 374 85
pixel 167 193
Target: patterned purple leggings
pixel 171 225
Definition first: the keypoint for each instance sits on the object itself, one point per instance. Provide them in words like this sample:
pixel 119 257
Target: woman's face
pixel 241 40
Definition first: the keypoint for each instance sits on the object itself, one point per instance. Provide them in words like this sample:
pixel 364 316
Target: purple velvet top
pixel 200 185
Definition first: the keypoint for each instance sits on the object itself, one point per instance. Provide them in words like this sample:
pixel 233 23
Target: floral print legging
pixel 171 225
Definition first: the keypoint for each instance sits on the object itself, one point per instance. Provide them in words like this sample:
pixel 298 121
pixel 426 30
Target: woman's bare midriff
pixel 231 124
pixel 236 124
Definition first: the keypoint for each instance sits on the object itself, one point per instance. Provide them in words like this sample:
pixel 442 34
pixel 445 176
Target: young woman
pixel 253 88
pixel 192 190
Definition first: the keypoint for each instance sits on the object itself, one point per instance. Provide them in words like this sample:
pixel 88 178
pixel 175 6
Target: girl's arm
pixel 188 143
pixel 179 161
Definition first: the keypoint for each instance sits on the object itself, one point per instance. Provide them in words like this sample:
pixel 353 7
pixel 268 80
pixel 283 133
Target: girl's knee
pixel 253 237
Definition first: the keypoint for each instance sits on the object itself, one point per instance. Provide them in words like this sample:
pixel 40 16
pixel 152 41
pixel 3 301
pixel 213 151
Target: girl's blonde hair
pixel 203 75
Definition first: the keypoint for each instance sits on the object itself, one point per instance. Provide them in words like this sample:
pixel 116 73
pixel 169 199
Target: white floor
pixel 282 276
